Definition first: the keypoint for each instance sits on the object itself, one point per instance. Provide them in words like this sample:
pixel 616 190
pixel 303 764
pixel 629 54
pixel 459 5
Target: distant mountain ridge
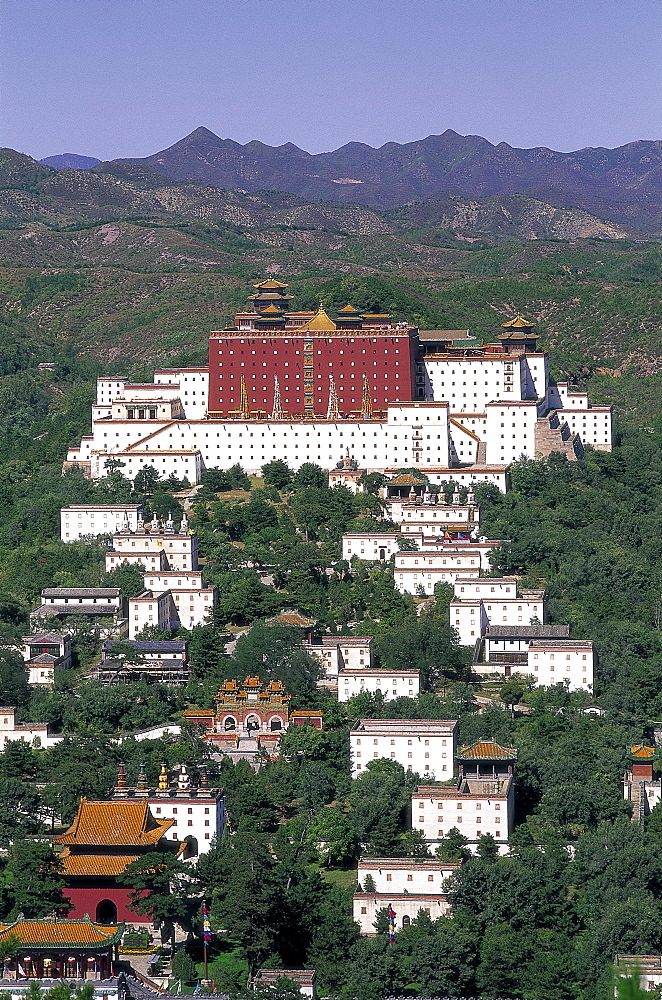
pixel 620 184
pixel 70 161
pixel 32 192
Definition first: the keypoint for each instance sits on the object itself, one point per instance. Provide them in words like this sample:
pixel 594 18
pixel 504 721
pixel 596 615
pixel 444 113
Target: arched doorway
pixel 106 912
pixel 252 724
pixel 276 725
pixel 382 554
pixel 406 921
pixel 229 723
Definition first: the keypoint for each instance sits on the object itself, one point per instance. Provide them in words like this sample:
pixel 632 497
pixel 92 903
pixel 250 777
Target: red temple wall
pixel 388 362
pixel 84 899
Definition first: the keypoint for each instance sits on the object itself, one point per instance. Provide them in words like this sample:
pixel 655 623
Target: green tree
pixel 183 967
pixel 277 473
pixel 159 887
pixel 512 692
pixel 36 879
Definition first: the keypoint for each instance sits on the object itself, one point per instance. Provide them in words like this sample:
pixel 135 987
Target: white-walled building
pixel 89 520
pixel 406 906
pixel 197 811
pixel 192 599
pixel 152 609
pixel 482 800
pixel 416 571
pixel 43 653
pixel 92 604
pixel 407 885
pixel 179 549
pixel 474 807
pixel 37 734
pixel 391 683
pixel 554 661
pixel 492 601
pixel 477 406
pixel 341 652
pixel 435 518
pixel 419 745
pixel 370 546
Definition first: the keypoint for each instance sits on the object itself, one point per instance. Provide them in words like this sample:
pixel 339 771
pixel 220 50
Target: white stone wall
pixel 470 617
pixel 488 588
pixel 392 683
pixel 400 875
pixel 425 752
pixel 366 906
pixel 554 661
pixel 435 811
pixel 151 609
pixel 193 817
pixel 80 521
pixel 510 432
pixel 370 546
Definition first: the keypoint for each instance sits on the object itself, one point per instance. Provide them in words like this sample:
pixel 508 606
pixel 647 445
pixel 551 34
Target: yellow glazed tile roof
pixel 114 824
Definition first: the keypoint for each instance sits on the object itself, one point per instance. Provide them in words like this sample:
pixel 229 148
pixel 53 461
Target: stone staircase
pixel 552 435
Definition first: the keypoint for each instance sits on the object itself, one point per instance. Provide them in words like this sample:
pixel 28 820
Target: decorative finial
pixel 204 780
pixel 141 784
pixel 184 781
pixel 164 784
pixel 121 779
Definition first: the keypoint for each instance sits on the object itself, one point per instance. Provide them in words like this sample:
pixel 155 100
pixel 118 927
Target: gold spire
pixel 163 779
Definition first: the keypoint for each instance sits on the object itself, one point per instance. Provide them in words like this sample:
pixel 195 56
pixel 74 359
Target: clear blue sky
pixel 113 78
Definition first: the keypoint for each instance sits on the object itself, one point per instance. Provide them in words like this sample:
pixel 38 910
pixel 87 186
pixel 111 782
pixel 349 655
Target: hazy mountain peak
pixel 70 161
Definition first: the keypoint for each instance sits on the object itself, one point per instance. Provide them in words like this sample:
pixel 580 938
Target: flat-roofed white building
pixel 474 807
pixel 493 601
pixel 436 518
pixel 179 548
pixel 422 746
pixel 192 599
pixel 338 652
pixel 422 570
pixel 391 683
pixel 153 609
pixel 557 661
pixel 371 546
pixel 482 801
pixel 90 520
pixel 407 885
pixel 406 906
pixel 400 875
pixel 37 734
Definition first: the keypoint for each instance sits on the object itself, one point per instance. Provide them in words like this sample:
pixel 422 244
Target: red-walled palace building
pixel 291 364
pixel 104 838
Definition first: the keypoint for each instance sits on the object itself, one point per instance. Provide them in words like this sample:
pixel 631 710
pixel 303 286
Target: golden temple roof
pixel 270 283
pixel 107 865
pixel 321 322
pixel 486 750
pixel 642 752
pixel 518 323
pixel 271 309
pixel 349 309
pixel 114 824
pixel 77 933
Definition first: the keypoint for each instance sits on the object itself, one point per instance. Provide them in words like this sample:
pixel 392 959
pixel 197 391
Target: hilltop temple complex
pixel 307 386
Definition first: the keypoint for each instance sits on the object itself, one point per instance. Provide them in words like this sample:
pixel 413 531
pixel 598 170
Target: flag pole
pixel 206 937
